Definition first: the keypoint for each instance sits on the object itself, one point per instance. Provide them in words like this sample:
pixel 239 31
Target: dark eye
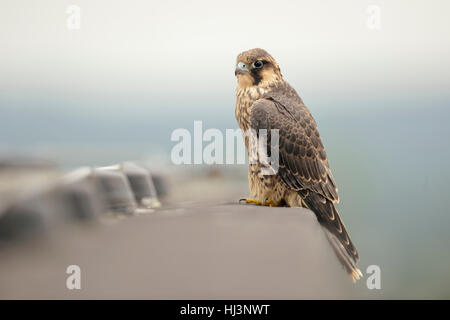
pixel 258 64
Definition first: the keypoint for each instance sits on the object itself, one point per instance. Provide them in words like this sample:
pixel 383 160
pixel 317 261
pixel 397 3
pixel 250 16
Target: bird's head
pixel 256 67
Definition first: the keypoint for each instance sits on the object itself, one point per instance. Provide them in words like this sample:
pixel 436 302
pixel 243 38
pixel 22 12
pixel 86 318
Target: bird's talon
pixel 267 202
pixel 248 200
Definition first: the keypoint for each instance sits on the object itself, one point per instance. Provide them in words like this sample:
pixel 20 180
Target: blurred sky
pixel 160 65
pixel 189 47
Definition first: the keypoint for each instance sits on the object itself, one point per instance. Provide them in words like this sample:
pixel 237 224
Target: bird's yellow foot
pixel 254 201
pixel 270 203
pixel 267 202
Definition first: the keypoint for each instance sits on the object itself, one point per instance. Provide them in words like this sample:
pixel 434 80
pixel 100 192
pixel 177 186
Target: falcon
pixel 265 101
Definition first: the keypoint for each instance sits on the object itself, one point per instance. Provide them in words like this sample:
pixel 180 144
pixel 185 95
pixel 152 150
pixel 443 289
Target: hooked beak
pixel 240 69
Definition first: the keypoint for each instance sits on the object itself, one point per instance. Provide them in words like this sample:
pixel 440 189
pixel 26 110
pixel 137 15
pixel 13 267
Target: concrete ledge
pixel 199 251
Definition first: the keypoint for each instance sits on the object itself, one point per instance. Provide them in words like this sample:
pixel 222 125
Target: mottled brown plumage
pixel 304 179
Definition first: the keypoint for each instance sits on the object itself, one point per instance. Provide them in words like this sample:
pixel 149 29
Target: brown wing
pixel 303 165
pixel 303 159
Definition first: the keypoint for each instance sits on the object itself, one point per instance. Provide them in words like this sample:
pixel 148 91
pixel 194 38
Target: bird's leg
pixel 269 203
pixel 254 201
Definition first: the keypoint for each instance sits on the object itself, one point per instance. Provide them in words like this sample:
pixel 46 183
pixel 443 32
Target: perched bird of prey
pixel 264 100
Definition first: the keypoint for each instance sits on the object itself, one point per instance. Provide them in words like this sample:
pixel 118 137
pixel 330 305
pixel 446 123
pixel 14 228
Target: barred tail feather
pixel 346 260
pixel 334 228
